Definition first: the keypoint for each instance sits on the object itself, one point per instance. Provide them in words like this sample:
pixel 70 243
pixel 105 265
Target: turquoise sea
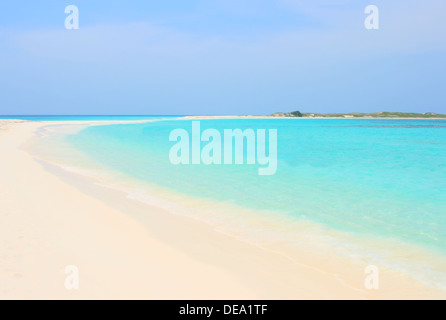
pixel 377 179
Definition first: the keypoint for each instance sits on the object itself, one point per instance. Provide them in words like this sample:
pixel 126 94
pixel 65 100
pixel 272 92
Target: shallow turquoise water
pixel 378 178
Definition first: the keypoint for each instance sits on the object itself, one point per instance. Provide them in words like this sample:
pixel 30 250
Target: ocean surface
pixel 379 180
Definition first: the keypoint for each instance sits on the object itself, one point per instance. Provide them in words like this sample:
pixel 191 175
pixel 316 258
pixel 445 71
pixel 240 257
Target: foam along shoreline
pixel 52 218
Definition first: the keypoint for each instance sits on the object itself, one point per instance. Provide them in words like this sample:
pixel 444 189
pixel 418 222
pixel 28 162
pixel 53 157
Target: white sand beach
pixel 124 249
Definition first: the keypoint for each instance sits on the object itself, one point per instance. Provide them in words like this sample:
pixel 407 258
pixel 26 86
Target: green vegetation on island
pixel 298 114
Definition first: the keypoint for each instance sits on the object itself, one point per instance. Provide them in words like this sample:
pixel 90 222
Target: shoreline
pixel 318 118
pixel 233 272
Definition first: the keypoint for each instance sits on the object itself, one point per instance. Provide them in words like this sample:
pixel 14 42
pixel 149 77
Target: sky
pixel 221 57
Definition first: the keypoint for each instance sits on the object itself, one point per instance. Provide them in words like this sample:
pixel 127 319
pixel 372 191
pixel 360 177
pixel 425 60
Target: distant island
pixel 298 114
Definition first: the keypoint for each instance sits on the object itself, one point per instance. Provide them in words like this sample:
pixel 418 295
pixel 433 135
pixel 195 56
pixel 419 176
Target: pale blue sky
pixel 221 57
